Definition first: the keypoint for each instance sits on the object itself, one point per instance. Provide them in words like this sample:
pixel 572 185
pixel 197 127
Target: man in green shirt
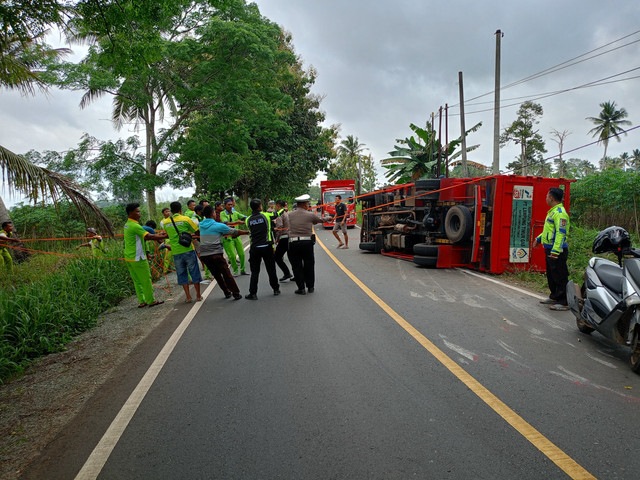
pixel 6 237
pixel 231 245
pixel 134 254
pixel 191 205
pixel 185 258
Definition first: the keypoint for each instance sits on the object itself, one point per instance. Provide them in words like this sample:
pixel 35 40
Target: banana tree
pixel 414 159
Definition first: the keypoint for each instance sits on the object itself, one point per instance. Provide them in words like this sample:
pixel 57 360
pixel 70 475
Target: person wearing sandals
pixel 134 253
pixel 554 240
pixel 340 223
pixel 184 258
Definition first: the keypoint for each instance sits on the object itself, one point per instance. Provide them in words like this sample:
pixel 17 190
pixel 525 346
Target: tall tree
pixel 635 159
pixel 350 155
pixel 522 132
pixel 559 138
pixel 177 60
pixel 608 124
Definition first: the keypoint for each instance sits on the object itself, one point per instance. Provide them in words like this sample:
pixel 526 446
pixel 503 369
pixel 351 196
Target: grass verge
pixel 50 300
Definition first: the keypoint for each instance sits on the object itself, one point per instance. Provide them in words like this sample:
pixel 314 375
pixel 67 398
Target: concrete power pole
pixel 465 172
pixel 496 109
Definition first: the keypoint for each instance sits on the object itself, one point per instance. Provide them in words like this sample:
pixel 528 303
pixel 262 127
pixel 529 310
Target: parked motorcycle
pixel 609 300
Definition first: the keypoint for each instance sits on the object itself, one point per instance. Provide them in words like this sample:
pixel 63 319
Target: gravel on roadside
pixel 35 407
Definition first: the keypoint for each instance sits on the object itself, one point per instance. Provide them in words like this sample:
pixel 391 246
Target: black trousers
pixel 281 249
pixel 256 256
pixel 557 275
pixel 219 267
pixel 303 263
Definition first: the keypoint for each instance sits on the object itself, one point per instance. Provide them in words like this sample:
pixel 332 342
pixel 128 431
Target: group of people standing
pixel 216 230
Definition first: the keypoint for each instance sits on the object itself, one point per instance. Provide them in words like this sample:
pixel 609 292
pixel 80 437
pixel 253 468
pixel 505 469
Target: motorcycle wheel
pixel 634 359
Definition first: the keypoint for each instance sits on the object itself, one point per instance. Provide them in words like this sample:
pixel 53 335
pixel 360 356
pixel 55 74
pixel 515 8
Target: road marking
pixel 550 450
pixel 506 285
pixel 100 454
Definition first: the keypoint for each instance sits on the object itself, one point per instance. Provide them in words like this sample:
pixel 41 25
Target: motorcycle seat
pixel 610 275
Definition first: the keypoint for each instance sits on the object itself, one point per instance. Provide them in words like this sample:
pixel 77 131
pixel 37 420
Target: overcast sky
pixel 383 65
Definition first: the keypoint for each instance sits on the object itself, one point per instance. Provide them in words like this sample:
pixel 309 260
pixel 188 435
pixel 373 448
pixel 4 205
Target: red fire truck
pixel 487 224
pixel 346 189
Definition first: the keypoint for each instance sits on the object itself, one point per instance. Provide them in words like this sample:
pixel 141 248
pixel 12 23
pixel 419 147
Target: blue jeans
pixel 187 264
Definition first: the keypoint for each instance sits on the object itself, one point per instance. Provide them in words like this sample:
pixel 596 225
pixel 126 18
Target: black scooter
pixel 609 299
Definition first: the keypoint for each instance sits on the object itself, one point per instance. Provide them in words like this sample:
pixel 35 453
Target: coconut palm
pixel 608 124
pixel 22 56
pixel 635 160
pixel 350 152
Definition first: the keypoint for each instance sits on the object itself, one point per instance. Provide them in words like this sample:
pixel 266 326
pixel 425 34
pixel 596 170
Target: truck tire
pixel 368 246
pixel 422 261
pixel 428 185
pixel 424 250
pixel 458 224
pixel 376 246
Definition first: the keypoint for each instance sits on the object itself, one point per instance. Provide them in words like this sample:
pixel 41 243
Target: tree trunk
pixel 4 213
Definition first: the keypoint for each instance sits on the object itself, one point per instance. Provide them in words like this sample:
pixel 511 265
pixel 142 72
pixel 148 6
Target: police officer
pixel 554 240
pixel 261 248
pixel 301 240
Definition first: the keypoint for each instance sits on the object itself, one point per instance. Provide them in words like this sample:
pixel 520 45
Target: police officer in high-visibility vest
pixel 261 248
pixel 554 240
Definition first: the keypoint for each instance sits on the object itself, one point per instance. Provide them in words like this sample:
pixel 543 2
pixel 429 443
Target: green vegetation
pixel 40 312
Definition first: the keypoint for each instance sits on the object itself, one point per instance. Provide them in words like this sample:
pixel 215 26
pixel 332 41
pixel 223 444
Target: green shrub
pixel 41 317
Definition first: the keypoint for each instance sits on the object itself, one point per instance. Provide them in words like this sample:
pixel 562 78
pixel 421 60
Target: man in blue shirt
pixel 212 252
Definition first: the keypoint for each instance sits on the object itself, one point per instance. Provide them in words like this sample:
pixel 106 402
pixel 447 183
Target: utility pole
pixel 463 129
pixel 496 109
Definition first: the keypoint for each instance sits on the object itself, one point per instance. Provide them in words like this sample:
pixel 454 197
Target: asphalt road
pixel 431 374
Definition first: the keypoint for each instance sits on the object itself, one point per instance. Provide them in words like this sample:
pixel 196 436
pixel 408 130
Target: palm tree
pixel 350 152
pixel 608 124
pixel 635 160
pixel 22 56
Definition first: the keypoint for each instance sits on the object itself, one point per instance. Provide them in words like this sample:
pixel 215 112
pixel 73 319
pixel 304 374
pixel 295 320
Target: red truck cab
pixel 328 191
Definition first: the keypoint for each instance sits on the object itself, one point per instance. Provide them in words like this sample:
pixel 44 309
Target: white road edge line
pixel 488 279
pixel 100 454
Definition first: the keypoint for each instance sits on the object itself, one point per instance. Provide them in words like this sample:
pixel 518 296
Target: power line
pixel 563 65
pixel 540 96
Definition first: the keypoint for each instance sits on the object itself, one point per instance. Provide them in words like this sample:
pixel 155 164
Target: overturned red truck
pixel 487 224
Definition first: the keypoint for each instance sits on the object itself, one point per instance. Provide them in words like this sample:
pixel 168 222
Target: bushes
pixel 610 197
pixel 40 317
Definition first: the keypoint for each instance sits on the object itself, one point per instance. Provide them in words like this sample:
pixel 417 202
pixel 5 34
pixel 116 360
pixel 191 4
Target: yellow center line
pixel 550 450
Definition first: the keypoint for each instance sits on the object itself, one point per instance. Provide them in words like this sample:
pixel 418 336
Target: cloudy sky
pixel 383 65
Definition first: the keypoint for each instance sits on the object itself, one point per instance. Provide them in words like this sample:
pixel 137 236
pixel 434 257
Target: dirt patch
pixel 36 407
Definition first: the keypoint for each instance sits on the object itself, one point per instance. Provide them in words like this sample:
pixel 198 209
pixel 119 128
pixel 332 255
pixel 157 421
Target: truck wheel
pixel 428 184
pixel 430 262
pixel 634 359
pixel 458 224
pixel 368 246
pixel 425 250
